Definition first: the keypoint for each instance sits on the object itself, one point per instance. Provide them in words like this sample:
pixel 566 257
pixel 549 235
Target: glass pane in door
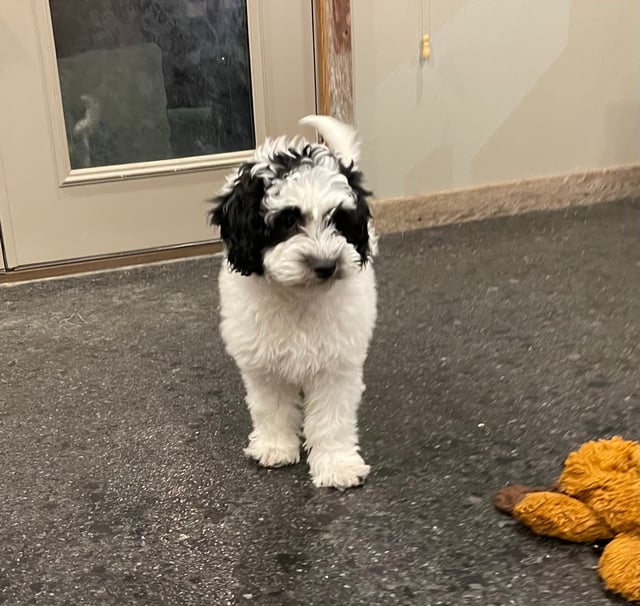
pixel 146 80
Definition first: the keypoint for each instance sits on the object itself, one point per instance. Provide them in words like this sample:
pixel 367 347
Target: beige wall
pixel 513 89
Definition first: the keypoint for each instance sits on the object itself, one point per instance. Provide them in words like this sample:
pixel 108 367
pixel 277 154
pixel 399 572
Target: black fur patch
pixel 284 223
pixel 353 224
pixel 239 215
pixel 283 164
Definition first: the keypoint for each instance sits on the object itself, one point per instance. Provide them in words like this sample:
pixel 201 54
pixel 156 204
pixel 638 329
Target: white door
pixel 120 118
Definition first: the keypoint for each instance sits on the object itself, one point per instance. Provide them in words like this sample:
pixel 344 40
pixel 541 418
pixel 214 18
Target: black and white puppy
pixel 298 298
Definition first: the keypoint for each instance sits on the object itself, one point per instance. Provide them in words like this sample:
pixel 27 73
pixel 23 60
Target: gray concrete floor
pixel 501 346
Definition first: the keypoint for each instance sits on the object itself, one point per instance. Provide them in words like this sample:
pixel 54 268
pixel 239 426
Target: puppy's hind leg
pixel 330 429
pixel 275 412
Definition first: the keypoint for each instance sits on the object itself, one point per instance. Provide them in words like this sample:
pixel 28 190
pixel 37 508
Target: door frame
pixel 5 224
pixel 334 62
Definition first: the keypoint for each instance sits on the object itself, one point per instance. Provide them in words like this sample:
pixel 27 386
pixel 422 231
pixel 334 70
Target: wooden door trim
pixel 334 80
pixel 95 264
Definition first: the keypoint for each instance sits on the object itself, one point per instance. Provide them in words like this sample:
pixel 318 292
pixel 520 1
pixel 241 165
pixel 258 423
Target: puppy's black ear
pixel 354 224
pixel 241 220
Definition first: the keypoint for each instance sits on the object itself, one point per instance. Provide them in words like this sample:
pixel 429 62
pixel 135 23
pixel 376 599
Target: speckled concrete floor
pixel 501 346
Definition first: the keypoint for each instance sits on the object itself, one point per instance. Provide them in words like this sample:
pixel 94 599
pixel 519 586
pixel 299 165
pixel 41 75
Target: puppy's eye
pixel 288 218
pixel 341 218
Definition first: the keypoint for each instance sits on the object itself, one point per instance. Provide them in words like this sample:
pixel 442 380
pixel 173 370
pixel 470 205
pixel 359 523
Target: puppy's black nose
pixel 324 269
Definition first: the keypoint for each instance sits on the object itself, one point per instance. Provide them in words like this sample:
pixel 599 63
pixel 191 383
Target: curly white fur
pixel 299 342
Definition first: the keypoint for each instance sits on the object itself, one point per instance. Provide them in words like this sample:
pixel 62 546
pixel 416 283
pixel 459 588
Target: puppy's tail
pixel 339 137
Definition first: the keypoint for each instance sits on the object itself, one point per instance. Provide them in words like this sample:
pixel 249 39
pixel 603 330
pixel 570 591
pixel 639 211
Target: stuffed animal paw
pixel 596 498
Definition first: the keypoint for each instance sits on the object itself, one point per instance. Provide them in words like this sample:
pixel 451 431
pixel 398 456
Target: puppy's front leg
pixel 276 416
pixel 330 429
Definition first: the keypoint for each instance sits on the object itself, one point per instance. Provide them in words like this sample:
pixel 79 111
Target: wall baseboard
pixel 473 204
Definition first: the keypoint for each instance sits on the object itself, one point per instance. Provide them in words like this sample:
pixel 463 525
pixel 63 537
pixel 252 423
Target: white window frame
pixel 68 176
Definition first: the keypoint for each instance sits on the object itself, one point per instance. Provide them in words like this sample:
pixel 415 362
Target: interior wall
pixel 513 89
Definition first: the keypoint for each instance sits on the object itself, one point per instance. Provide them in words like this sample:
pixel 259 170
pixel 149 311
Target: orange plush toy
pixel 597 497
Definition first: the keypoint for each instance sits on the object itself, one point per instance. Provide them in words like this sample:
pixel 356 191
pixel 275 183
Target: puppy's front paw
pixel 338 471
pixel 273 454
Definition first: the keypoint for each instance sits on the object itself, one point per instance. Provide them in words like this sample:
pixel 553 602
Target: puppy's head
pixel 298 213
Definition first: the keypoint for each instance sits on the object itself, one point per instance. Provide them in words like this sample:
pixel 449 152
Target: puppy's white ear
pixel 339 137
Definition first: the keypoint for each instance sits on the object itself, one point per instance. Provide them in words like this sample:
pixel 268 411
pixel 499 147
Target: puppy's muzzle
pixel 324 268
